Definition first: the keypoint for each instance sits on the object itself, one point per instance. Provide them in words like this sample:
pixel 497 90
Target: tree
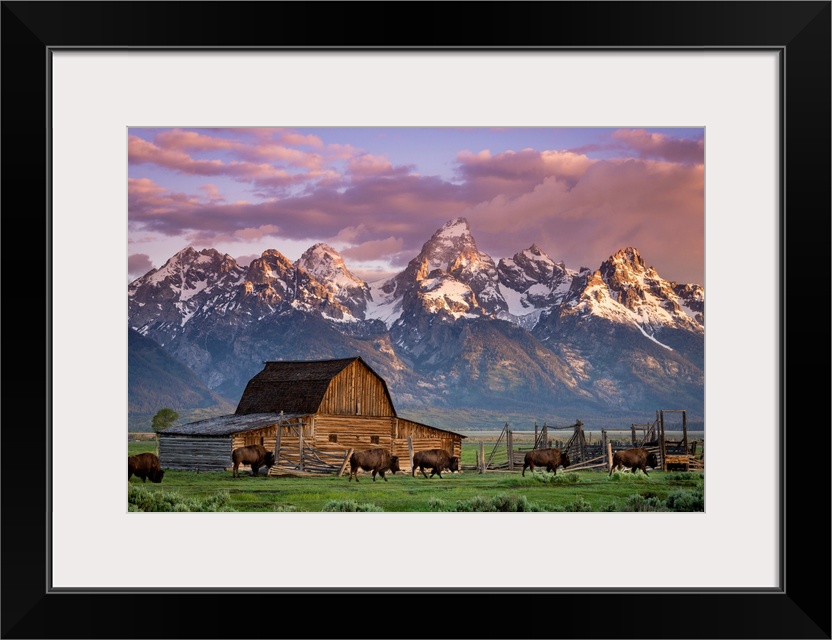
pixel 163 419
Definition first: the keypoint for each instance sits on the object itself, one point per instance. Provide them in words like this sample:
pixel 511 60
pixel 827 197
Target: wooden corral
pixel 313 415
pixel 672 454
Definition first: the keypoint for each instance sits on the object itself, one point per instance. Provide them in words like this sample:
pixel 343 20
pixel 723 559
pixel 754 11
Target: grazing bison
pixel 436 460
pixel 549 458
pixel 379 461
pixel 144 466
pixel 255 455
pixel 637 458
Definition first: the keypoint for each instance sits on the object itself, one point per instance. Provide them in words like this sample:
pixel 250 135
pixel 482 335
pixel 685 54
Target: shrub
pixel 686 500
pixel 512 502
pixel 505 502
pixel 686 478
pixel 565 478
pixel 628 476
pixel 437 504
pixel 579 504
pixel 350 506
pixel 142 499
pixel 477 503
pixel 645 502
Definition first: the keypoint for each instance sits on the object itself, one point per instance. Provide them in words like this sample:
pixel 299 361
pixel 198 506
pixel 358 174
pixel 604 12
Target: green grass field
pixel 466 491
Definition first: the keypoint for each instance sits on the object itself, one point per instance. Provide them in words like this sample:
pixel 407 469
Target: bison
pixel 436 460
pixel 379 461
pixel 549 458
pixel 255 455
pixel 637 458
pixel 144 466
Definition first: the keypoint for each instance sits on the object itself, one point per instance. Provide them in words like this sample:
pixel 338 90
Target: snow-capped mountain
pixel 327 266
pixel 453 328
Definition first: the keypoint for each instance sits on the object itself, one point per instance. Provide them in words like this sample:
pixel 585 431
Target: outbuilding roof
pixel 227 425
pixel 294 386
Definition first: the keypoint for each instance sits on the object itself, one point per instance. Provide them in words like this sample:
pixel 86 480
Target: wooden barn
pixel 312 414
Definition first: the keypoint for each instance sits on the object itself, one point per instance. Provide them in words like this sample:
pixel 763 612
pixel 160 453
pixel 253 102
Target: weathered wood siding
pixel 357 391
pixel 193 453
pixel 431 437
pixel 353 432
pixel 256 436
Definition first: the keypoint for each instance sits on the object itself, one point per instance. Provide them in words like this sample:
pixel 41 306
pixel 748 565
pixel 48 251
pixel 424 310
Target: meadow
pixel 465 491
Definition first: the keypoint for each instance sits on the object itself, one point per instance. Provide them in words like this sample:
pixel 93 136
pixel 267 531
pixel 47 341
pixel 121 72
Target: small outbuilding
pixel 312 414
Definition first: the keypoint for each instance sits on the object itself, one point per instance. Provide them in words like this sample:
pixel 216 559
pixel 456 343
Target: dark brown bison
pixel 144 466
pixel 637 458
pixel 379 461
pixel 255 455
pixel 549 458
pixel 436 460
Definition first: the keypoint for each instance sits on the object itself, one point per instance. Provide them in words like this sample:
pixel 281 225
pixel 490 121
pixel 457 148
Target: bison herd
pixel 380 461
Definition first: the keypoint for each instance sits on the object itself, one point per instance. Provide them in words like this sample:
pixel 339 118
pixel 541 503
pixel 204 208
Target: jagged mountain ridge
pixel 453 328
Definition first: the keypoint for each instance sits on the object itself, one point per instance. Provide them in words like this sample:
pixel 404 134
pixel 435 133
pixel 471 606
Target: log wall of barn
pixel 256 436
pixel 433 438
pixel 358 433
pixel 194 453
pixel 357 391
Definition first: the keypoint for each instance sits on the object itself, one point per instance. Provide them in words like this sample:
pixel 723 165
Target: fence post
pixel 346 461
pixel 510 446
pixel 481 460
pixel 609 455
pixel 410 451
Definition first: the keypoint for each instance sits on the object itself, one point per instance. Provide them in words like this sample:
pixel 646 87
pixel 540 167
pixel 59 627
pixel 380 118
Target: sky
pixel 376 195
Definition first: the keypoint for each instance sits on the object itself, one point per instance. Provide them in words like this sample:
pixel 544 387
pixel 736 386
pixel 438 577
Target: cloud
pixel 262 175
pixel 138 264
pixel 369 165
pixel 578 209
pixel 287 136
pixel 512 173
pixel 662 147
pixel 374 249
pixel 212 192
pixel 656 207
pixel 245 261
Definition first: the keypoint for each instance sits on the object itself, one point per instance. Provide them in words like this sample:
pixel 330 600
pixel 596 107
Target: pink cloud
pixel 262 174
pixel 279 153
pixel 374 249
pixel 656 207
pixel 177 139
pixel 212 192
pixel 369 165
pixel 512 173
pixel 342 151
pixel 247 260
pixel 138 264
pixel 293 138
pixel 661 146
pixel 577 209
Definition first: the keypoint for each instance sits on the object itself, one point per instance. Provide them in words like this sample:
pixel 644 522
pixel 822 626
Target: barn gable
pixel 346 386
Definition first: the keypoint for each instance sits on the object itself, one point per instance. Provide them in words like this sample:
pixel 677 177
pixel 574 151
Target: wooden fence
pixel 584 454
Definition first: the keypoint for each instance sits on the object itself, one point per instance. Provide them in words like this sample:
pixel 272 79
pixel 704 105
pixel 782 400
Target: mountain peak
pixel 629 255
pixel 453 228
pixel 327 265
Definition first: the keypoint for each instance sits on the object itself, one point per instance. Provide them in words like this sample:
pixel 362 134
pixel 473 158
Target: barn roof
pixel 227 425
pixel 294 386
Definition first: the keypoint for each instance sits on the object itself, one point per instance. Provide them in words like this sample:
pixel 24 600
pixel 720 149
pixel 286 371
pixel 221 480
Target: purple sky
pixel 378 194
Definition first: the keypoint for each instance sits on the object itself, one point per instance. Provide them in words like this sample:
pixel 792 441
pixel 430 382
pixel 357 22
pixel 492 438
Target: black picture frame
pixel 799 31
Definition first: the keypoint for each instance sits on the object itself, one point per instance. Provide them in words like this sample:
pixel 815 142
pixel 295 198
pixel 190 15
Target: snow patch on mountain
pixel 381 305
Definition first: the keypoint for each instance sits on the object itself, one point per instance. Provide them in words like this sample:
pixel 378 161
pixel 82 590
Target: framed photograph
pixel 92 89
